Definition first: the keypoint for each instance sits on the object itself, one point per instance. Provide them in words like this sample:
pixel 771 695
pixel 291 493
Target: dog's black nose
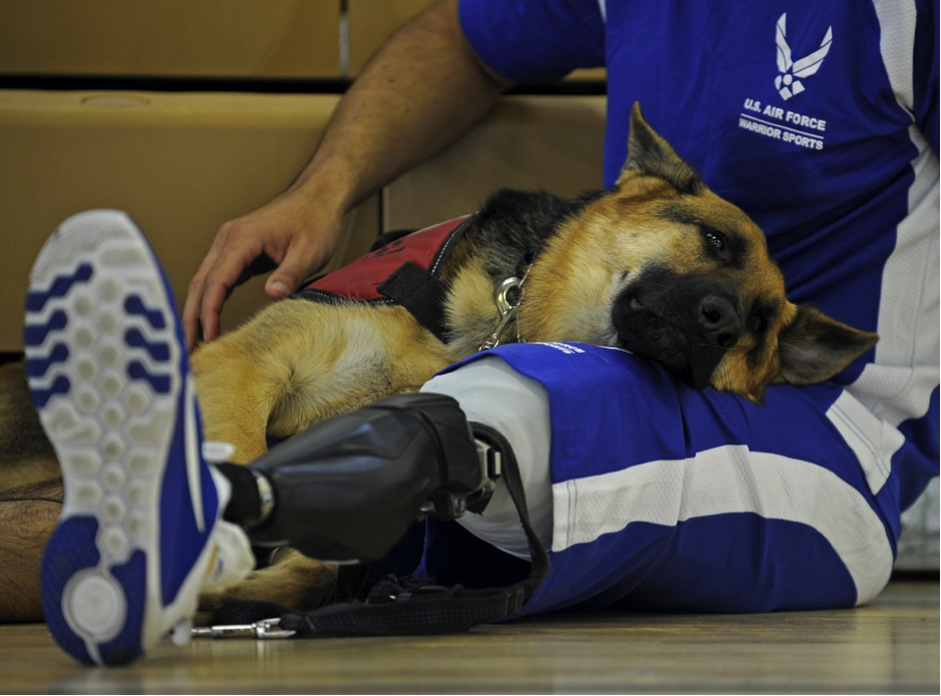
pixel 719 321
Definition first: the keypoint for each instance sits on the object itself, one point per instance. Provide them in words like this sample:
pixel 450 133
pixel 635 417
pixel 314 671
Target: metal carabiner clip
pixel 504 304
pixel 506 307
pixel 268 629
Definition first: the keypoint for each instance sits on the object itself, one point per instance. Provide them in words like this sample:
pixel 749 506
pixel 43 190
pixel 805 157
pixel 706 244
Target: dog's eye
pixel 715 239
pixel 759 324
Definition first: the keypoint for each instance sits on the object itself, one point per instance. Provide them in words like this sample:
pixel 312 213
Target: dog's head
pixel 669 270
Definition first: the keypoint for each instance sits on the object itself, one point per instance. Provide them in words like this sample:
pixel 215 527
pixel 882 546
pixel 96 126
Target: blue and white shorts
pixel 651 495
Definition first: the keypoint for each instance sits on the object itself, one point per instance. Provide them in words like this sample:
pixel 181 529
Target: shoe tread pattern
pixel 100 357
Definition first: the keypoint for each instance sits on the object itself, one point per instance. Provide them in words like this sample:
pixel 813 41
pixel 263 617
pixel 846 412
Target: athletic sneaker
pixel 109 375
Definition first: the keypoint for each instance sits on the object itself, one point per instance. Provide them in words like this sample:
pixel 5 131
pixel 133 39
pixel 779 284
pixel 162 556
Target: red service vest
pixel 404 271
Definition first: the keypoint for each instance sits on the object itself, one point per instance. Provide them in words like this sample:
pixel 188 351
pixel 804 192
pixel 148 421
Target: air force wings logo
pixel 788 83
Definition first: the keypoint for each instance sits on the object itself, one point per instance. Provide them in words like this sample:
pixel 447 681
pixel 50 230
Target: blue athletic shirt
pixel 820 120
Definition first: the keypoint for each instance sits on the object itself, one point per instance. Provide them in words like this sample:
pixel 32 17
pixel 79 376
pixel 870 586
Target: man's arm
pixel 418 94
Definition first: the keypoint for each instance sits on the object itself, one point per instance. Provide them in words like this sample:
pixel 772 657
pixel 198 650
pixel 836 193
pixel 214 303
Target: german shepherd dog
pixel 658 265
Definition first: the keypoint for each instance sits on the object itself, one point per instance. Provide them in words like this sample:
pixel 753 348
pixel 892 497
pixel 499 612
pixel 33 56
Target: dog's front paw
pixel 292 580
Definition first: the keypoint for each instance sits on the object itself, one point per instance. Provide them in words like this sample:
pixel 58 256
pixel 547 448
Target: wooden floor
pixel 890 646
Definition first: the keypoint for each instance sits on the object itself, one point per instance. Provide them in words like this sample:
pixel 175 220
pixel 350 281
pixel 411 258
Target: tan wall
pixel 219 38
pixel 180 165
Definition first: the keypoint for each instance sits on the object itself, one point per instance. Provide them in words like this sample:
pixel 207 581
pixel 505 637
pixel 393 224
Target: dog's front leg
pixel 300 362
pixel 234 398
pixel 291 580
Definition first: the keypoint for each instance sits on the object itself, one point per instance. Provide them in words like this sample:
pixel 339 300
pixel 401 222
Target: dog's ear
pixel 648 153
pixel 814 347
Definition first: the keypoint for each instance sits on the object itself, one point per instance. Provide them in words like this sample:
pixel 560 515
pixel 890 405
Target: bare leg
pixel 28 514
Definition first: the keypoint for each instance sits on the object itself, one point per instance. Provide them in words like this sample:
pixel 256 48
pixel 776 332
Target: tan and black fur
pixel 659 265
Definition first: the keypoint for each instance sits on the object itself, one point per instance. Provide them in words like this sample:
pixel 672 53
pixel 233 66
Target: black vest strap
pixel 421 292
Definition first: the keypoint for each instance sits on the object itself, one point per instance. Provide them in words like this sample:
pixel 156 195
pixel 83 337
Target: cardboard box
pixel 175 38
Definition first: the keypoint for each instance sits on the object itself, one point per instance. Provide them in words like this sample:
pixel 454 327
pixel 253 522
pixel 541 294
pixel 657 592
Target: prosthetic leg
pixel 349 488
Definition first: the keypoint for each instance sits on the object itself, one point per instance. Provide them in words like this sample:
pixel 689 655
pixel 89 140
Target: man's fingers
pixel 218 285
pixel 222 269
pixel 214 295
pixel 192 308
pixel 277 289
pixel 278 234
pixel 301 260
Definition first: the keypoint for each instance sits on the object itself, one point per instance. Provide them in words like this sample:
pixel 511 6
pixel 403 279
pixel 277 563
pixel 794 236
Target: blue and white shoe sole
pixel 103 356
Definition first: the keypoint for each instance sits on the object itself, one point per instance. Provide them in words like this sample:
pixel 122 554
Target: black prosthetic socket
pixel 348 489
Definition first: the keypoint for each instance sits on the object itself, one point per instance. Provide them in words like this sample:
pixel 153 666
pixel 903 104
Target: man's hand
pixel 420 92
pixel 284 234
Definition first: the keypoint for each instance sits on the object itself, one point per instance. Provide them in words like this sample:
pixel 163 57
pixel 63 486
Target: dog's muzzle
pixel 685 323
